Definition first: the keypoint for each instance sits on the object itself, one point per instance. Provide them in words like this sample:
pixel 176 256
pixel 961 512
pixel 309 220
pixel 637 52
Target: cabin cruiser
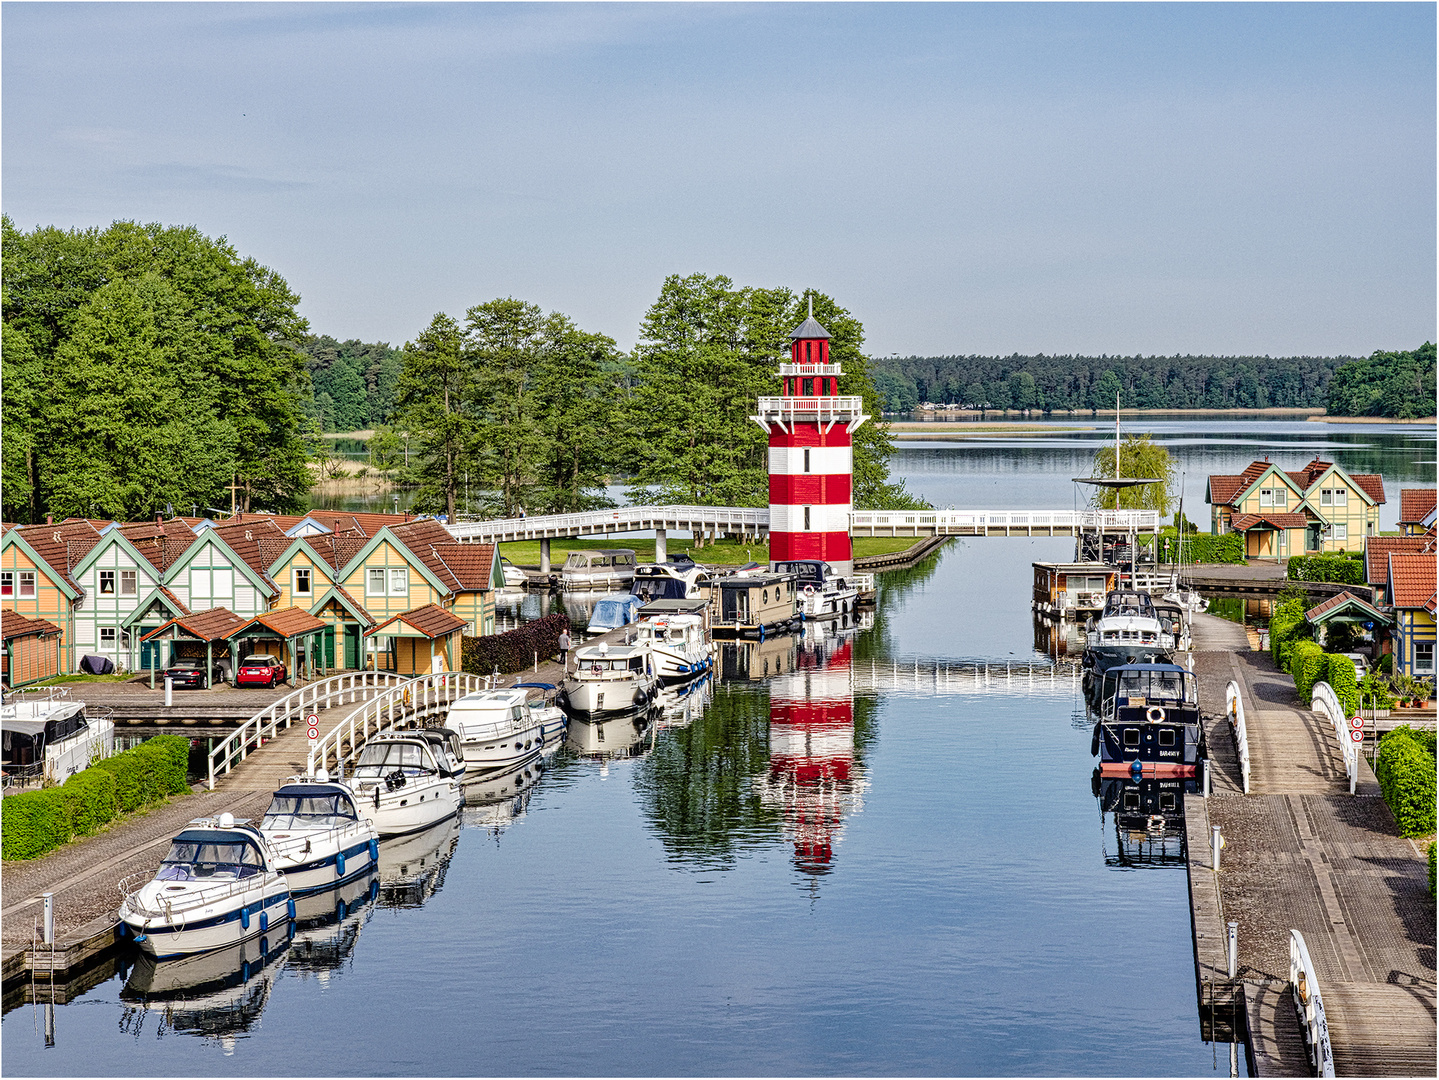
pixel 610 679
pixel 754 603
pixel 318 834
pixel 544 703
pixel 679 579
pixel 497 728
pixel 678 645
pixel 409 780
pixel 1128 631
pixel 822 593
pixel 515 578
pixel 1149 722
pixel 51 739
pixel 598 568
pixel 218 885
pixel 613 611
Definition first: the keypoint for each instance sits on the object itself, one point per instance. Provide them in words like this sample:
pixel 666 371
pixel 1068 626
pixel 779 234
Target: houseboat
pixel 600 568
pixel 497 728
pixel 1149 722
pixel 1072 590
pixel 822 594
pixel 677 579
pixel 318 835
pixel 678 644
pixel 609 680
pixel 218 885
pixel 1128 631
pixel 406 781
pixel 49 739
pixel 754 604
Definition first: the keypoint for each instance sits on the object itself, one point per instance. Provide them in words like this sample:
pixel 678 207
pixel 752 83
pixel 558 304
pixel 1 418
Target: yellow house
pixel 1321 508
pixel 423 641
pixel 1416 511
pixel 1411 588
pixel 35 575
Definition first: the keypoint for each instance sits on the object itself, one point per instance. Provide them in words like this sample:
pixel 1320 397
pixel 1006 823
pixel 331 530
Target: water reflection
pixel 1058 639
pixel 753 661
pixel 626 735
pixel 494 802
pixel 1148 818
pixel 412 868
pixel 216 995
pixel 327 925
pixel 680 705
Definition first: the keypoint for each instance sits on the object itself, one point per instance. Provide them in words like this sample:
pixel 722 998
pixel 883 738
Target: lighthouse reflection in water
pixel 813 780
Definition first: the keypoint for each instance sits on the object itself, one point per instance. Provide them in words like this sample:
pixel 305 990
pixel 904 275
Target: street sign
pixel 314 734
pixel 312 719
pixel 1356 721
pixel 1357 735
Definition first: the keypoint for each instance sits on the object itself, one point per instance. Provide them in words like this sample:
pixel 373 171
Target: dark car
pixel 192 673
pixel 259 669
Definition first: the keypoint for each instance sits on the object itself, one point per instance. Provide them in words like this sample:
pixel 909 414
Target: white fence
pixel 1309 1006
pixel 1234 706
pixel 739 519
pixel 1326 704
pixel 999 522
pixel 412 700
pixel 325 694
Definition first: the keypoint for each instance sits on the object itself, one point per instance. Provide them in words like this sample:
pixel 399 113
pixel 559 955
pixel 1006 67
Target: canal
pixel 829 868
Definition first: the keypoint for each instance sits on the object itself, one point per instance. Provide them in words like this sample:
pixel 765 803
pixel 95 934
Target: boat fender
pixel 1094 742
pixel 374 850
pixel 1155 714
pixel 374 888
pixel 1136 767
pixel 264 924
pixel 340 865
pixel 377 796
pixel 139 938
pixel 290 907
pixel 245 971
pixel 341 911
pixel 245 918
pixel 122 930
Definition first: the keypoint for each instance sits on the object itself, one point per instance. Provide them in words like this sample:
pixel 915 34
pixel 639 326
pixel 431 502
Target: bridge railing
pixel 417 697
pixel 1309 1006
pixel 979 522
pixel 1326 704
pixel 623 519
pixel 1234 706
pixel 325 694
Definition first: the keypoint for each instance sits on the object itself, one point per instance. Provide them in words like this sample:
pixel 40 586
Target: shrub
pixel 1405 769
pixel 166 760
pixel 514 650
pixel 1286 625
pixel 1339 673
pixel 1336 568
pixel 1431 867
pixel 34 822
pixel 1306 664
pixel 90 800
pixel 1208 548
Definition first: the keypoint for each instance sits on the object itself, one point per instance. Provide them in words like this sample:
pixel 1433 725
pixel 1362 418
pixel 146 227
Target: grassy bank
pixel 527 552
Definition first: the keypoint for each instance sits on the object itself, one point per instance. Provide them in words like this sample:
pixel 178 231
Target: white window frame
pixel 129 583
pixel 7 583
pixel 309 578
pixel 109 638
pixel 1421 667
pixel 372 576
pixel 107 577
pixel 1266 497
pixel 1340 532
pixel 1326 496
pixel 1281 496
pixel 1341 496
pixel 399 581
pixel 25 585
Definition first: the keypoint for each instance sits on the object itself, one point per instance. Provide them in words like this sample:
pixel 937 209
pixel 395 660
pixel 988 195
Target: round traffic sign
pixel 315 734
pixel 1357 735
pixel 312 719
pixel 1356 721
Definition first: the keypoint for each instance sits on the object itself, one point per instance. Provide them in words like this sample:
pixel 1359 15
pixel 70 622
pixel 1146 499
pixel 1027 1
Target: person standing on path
pixel 564 649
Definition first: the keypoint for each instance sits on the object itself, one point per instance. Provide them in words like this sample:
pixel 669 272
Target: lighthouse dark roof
pixel 809 329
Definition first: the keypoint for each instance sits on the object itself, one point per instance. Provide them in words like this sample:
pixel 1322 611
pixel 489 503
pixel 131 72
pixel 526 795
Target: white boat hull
pixel 334 856
pixel 421 803
pixel 594 698
pixel 176 928
pixel 519 744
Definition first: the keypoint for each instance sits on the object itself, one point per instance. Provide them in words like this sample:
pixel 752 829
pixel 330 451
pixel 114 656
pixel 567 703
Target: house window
pixel 302 581
pixel 107 638
pixel 1341 533
pixel 107 583
pixel 7 583
pixel 1341 496
pixel 1326 497
pixel 374 583
pixel 128 583
pixel 27 584
pixel 399 582
pixel 1266 496
pixel 1424 658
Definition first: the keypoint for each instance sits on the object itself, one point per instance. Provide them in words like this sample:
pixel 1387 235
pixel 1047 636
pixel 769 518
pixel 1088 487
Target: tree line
pixel 1050 383
pixel 1399 385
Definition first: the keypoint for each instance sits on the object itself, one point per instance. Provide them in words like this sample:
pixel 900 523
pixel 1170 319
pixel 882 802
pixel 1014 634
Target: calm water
pixel 833 867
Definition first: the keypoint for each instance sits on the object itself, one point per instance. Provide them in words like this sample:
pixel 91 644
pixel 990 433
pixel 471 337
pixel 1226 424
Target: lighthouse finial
pixel 811 305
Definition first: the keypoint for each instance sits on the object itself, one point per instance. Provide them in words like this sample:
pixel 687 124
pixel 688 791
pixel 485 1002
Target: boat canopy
pixel 309 806
pixel 1153 682
pixel 809 571
pixel 203 853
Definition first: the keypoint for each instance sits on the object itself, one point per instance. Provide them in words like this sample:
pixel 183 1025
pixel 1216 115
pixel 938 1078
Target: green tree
pixel 504 343
pixel 1390 384
pixel 1139 458
pixel 580 396
pixel 436 401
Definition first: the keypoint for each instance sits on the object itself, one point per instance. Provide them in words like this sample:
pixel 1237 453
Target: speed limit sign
pixel 312 719
pixel 1357 735
pixel 1356 721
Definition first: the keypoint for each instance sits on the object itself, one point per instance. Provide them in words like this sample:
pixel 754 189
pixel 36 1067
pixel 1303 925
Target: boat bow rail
pixel 325 694
pixel 131 886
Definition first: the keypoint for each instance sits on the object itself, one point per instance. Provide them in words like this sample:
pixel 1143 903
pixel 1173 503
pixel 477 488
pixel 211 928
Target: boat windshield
pixel 1157 686
pixel 1128 603
pixel 650 589
pixel 308 812
pixel 190 860
pixel 597 667
pixel 381 759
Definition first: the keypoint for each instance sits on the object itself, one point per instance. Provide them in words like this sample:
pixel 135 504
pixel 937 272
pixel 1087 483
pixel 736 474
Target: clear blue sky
pixel 965 178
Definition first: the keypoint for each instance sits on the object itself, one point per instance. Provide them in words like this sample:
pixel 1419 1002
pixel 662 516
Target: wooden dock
pixel 1302 854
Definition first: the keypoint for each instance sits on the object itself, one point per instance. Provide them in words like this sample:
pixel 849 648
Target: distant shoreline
pixel 1430 420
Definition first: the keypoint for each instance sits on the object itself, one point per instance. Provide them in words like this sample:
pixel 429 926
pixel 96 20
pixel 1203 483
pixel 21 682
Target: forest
pixel 1398 385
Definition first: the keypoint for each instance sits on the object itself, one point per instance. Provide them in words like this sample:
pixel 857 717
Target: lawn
pixel 527 552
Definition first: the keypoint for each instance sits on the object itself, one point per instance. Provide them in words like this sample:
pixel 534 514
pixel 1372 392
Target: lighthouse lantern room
pixel 810 454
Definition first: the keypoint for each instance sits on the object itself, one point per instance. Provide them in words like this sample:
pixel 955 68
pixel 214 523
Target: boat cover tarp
pixel 97 665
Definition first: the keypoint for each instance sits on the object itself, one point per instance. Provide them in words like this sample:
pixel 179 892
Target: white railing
pixel 1234 706
pixel 623 519
pixel 985 522
pixel 1309 1006
pixel 325 694
pixel 843 408
pixel 413 698
pixel 1326 704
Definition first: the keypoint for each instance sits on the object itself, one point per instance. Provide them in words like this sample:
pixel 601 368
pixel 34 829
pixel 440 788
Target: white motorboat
pixel 678 579
pixel 51 738
pixel 405 781
pixel 497 728
pixel 318 834
pixel 218 885
pixel 544 702
pixel 598 568
pixel 514 577
pixel 678 645
pixel 1128 631
pixel 610 679
pixel 822 593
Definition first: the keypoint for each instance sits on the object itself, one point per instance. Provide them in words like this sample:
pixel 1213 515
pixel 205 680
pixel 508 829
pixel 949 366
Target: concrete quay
pixel 1302 853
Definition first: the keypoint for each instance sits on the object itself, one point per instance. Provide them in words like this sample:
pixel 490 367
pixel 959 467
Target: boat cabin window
pixel 1131 799
pixel 55 730
pixel 1167 800
pixel 598 666
pixel 1166 736
pixel 1157 685
pixel 1131 736
pixel 379 759
pixel 308 812
pixel 189 860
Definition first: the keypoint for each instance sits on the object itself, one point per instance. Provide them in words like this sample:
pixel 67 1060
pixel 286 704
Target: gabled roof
pixel 60 547
pixel 165 597
pixel 1270 519
pixel 1344 602
pixel 1415 504
pixel 1371 485
pixel 1378 548
pixel 341 596
pixel 348 522
pixel 159 544
pixel 14 625
pixel 213 624
pixel 243 538
pixel 422 538
pixel 1225 490
pixel 334 550
pixel 431 621
pixel 290 622
pixel 473 566
pixel 1411 581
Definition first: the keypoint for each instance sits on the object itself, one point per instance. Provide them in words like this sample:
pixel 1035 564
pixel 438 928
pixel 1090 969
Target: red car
pixel 260 669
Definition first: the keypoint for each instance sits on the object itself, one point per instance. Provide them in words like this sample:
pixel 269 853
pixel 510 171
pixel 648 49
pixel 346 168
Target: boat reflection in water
pixel 680 706
pixel 412 868
pixel 813 777
pixel 216 995
pixel 752 661
pixel 1148 818
pixel 624 735
pixel 327 925
pixel 495 801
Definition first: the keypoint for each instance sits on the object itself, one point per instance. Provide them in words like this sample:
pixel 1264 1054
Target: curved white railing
pixel 325 694
pixel 621 519
pixel 982 522
pixel 1234 706
pixel 1326 704
pixel 413 698
pixel 1309 1006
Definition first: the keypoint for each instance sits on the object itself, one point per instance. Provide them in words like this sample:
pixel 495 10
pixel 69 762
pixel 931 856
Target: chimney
pixel 49 519
pixel 160 521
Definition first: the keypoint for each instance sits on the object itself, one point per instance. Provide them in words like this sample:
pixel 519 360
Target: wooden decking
pixel 1302 853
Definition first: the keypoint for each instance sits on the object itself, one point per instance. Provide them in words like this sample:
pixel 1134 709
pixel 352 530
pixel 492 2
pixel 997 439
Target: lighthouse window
pixel 806 459
pixel 808 351
pixel 806 519
pixel 809 388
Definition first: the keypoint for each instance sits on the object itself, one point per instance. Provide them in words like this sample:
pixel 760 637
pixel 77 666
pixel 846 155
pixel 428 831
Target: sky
pixel 964 178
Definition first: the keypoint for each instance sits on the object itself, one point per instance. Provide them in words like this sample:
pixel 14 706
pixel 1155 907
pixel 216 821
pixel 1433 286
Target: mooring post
pixel 48 934
pixel 544 554
pixel 1206 778
pixel 169 693
pixel 1215 842
pixel 1233 949
pixel 661 548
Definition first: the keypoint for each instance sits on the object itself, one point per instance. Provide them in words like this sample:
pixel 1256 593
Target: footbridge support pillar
pixel 661 551
pixel 544 554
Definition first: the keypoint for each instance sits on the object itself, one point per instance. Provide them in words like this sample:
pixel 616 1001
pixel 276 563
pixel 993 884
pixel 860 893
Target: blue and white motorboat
pixel 406 781
pixel 218 885
pixel 318 834
pixel 544 704
pixel 678 645
pixel 496 728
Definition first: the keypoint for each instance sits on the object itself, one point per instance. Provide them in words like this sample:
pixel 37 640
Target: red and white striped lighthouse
pixel 810 454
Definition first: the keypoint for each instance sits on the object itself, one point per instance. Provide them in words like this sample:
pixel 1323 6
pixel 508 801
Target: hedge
pixel 1405 769
pixel 1206 547
pixel 36 822
pixel 514 650
pixel 1286 624
pixel 1431 867
pixel 1337 568
pixel 1306 664
pixel 1339 673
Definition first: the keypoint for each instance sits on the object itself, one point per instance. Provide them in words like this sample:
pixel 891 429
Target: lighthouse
pixel 811 460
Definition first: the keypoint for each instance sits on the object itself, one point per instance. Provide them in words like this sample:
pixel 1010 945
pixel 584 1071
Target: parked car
pixel 191 672
pixel 260 669
pixel 1361 663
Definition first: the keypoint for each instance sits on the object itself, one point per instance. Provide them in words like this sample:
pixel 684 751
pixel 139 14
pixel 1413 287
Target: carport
pixel 427 639
pixel 214 626
pixel 297 630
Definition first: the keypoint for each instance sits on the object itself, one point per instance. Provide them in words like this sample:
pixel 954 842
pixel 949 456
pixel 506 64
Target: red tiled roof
pixel 1411 580
pixel 336 551
pixel 1342 600
pixel 431 620
pixel 361 524
pixel 1223 489
pixel 244 536
pixel 471 564
pixel 271 548
pixel 14 625
pixel 1378 548
pixel 287 622
pixel 212 624
pixel 284 521
pixel 63 545
pixel 1371 483
pixel 355 604
pixel 422 538
pixel 1415 504
pixel 174 600
pixel 161 544
pixel 1274 519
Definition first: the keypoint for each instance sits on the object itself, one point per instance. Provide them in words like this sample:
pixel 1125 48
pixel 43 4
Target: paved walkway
pixel 1302 853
